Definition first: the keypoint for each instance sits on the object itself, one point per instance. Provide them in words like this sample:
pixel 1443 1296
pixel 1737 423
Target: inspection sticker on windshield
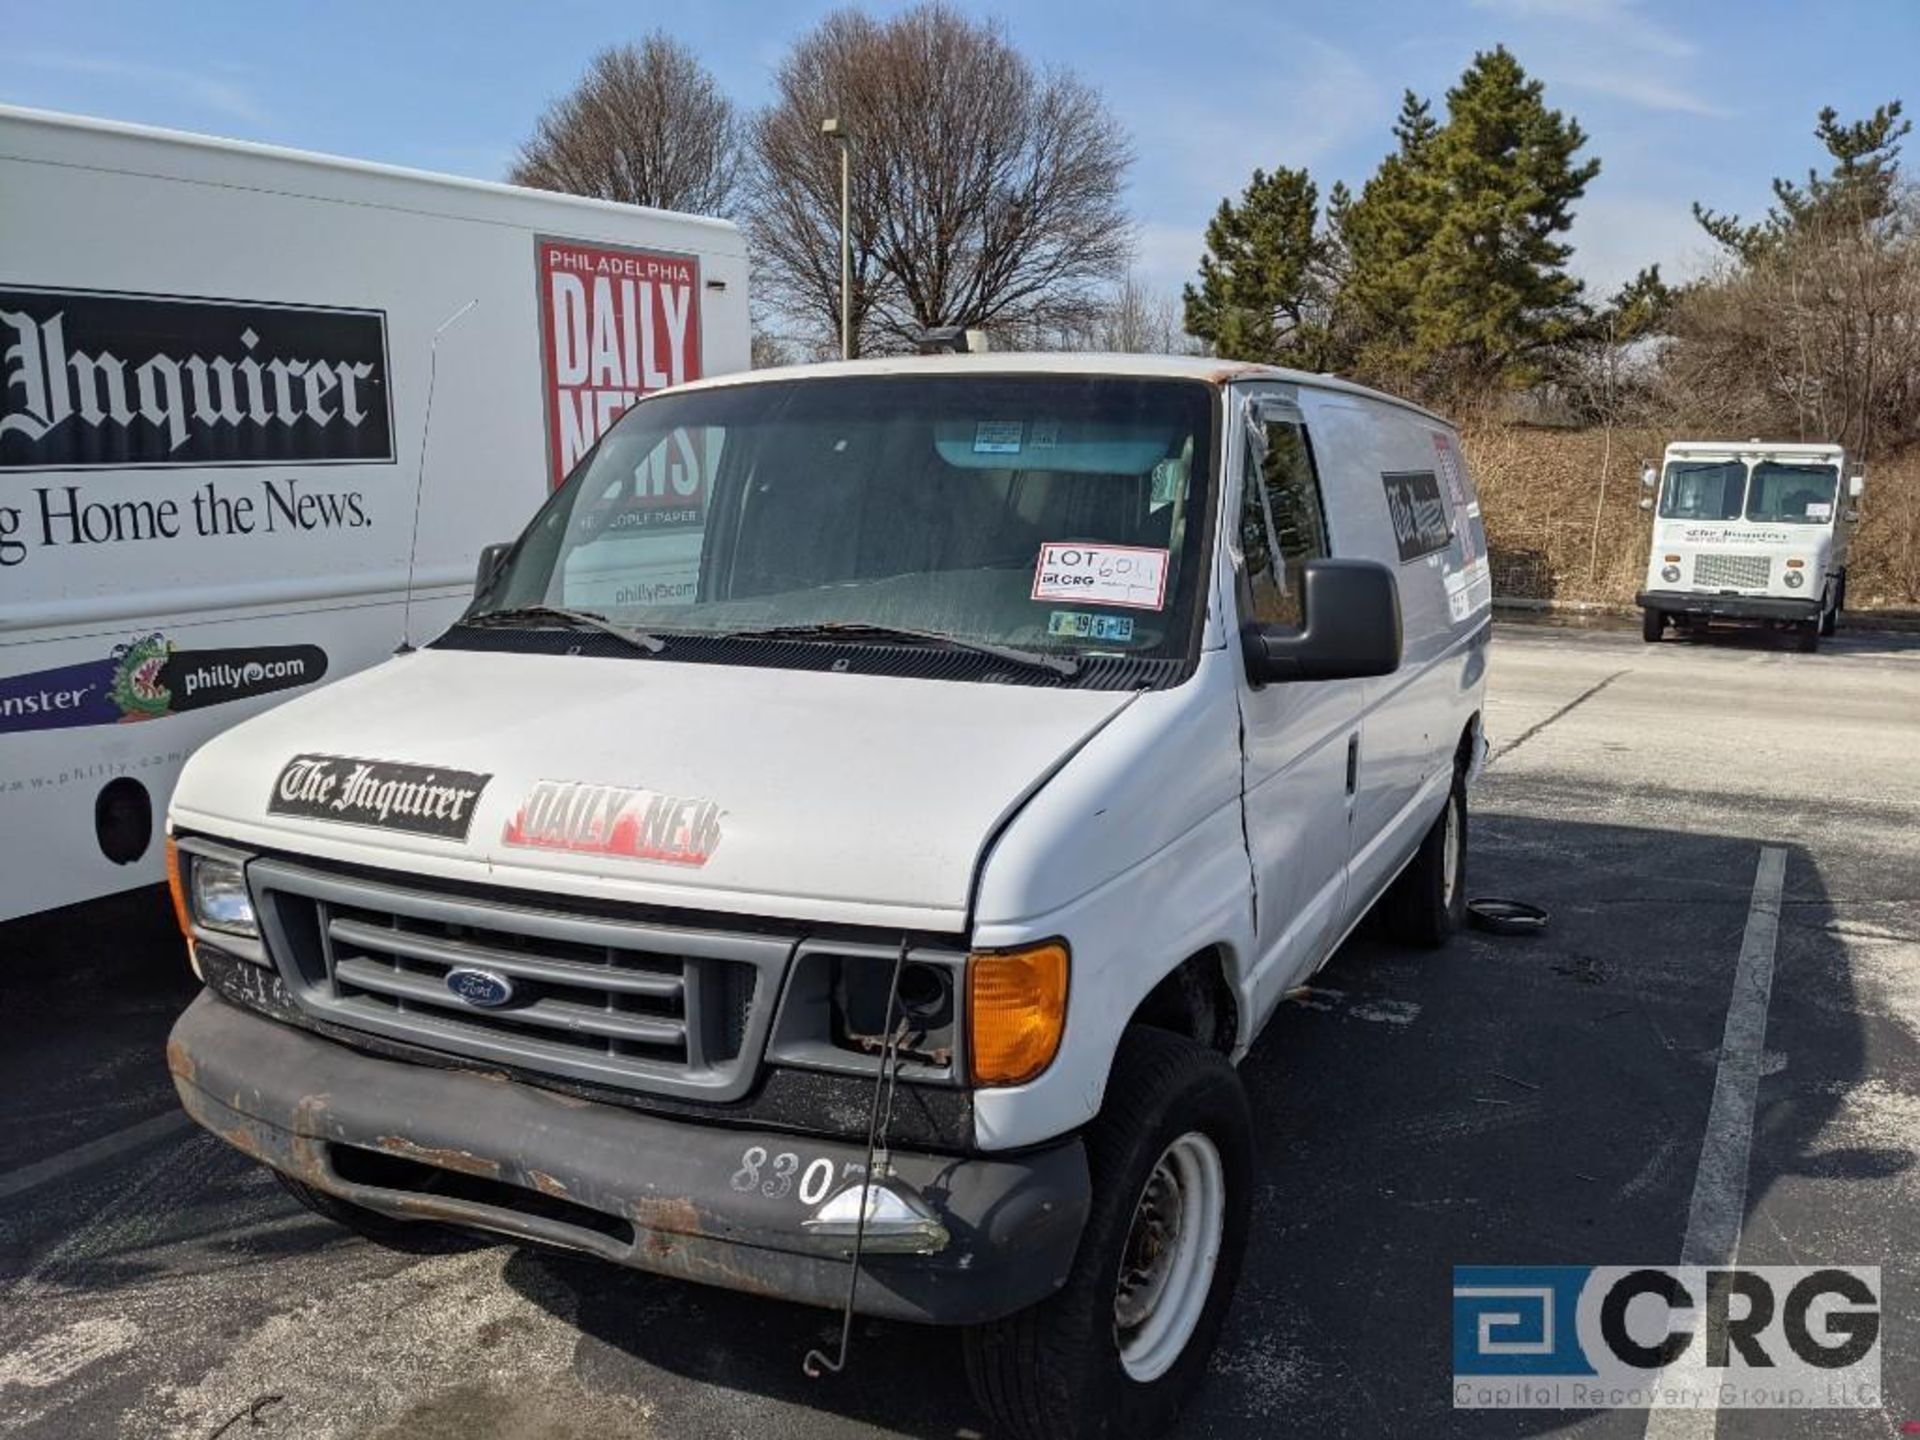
pixel 998 437
pixel 1085 625
pixel 1102 575
pixel 1819 510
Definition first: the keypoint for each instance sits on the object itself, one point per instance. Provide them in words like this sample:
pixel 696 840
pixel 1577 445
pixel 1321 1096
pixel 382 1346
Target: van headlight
pixel 219 898
pixel 1795 579
pixel 1671 574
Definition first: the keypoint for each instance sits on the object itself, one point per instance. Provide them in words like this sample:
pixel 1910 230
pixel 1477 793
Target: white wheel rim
pixel 1450 857
pixel 1172 1248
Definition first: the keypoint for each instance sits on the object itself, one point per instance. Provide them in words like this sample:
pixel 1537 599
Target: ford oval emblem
pixel 486 988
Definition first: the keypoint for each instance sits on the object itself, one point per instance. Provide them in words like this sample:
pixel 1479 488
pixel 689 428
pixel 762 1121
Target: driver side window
pixel 1282 521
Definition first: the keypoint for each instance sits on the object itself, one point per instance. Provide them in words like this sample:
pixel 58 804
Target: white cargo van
pixel 216 364
pixel 1028 728
pixel 1748 534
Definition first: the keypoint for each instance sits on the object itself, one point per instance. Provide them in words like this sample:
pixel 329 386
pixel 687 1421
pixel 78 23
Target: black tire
pixel 413 1237
pixel 1420 908
pixel 1054 1371
pixel 1653 624
pixel 1830 617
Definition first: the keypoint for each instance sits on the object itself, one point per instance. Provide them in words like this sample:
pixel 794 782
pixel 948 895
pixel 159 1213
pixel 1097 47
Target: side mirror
pixel 1649 476
pixel 1646 502
pixel 1853 517
pixel 492 557
pixel 1351 627
pixel 1856 486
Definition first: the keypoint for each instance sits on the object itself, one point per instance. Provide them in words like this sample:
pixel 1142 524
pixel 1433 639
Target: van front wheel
pixel 1121 1347
pixel 1652 624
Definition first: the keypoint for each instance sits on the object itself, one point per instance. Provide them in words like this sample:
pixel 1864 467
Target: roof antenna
pixel 426 433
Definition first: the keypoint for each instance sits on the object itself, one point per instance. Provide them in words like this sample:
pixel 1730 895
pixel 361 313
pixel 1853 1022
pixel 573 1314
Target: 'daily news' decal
pixel 615 324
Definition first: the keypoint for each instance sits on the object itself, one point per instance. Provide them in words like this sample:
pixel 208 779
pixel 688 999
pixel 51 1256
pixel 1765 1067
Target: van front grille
pixel 1733 572
pixel 642 1006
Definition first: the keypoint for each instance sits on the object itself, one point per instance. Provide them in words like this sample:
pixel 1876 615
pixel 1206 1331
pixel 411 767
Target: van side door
pixel 1299 740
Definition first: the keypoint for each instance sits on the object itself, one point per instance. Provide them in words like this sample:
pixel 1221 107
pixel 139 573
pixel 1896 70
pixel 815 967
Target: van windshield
pixel 1784 494
pixel 1053 514
pixel 1703 490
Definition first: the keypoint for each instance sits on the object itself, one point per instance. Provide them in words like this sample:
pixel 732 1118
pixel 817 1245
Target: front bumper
pixel 668 1196
pixel 1729 607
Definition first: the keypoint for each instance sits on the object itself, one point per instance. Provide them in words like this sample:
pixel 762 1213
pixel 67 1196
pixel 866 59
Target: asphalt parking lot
pixel 1510 1100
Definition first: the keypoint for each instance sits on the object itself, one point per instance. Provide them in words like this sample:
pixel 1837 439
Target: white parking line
pixel 94 1152
pixel 1720 1182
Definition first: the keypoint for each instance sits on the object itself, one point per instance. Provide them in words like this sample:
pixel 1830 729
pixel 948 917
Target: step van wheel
pixel 1428 903
pixel 1652 624
pixel 1121 1347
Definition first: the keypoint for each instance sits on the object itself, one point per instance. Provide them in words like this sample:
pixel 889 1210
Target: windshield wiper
pixel 579 619
pixel 851 630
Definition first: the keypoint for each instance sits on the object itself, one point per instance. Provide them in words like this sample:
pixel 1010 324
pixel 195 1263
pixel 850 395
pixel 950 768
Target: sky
pixel 1682 100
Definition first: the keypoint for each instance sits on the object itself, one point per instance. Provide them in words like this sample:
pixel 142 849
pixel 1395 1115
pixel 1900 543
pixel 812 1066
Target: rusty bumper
pixel 721 1206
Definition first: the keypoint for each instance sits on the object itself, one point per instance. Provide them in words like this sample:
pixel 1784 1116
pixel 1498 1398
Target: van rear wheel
pixel 1429 901
pixel 1122 1346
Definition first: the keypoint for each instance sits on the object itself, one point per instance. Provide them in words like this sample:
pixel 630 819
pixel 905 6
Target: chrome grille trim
pixel 1739 572
pixel 640 1006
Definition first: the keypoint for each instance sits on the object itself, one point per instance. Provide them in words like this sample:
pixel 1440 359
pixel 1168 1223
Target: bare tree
pixel 985 193
pixel 1133 319
pixel 646 125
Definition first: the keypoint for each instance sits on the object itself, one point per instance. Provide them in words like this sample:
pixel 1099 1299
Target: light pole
pixel 834 130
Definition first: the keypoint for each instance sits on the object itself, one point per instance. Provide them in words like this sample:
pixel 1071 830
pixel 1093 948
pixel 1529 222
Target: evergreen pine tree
pixel 1860 189
pixel 1263 281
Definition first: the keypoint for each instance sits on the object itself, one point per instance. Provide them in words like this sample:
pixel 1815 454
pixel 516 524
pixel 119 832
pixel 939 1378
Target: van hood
pixel 816 796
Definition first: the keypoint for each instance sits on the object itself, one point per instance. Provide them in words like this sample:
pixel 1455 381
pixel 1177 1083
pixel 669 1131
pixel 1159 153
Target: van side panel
pixel 186 594
pixel 1398 492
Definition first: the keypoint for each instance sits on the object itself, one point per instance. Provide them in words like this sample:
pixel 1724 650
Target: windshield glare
pixel 1774 491
pixel 1048 513
pixel 1703 490
pixel 1783 494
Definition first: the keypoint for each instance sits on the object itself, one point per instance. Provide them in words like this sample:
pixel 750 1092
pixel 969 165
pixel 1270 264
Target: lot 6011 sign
pixel 1675 1336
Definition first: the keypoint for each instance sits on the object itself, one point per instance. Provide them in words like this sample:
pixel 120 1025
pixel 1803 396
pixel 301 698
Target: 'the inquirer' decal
pixel 1419 514
pixel 94 379
pixel 146 678
pixel 615 820
pixel 382 794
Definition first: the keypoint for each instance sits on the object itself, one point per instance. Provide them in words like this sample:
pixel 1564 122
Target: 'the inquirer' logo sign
pixel 1666 1336
pixel 98 379
pixel 615 324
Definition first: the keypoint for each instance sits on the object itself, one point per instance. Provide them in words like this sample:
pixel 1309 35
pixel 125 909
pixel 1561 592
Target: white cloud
pixel 1615 235
pixel 1166 257
pixel 226 98
pixel 1610 47
pixel 1623 18
pixel 1293 106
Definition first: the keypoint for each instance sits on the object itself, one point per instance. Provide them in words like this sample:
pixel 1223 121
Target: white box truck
pixel 218 487
pixel 1748 533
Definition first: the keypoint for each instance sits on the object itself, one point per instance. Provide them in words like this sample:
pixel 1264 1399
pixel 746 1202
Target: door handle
pixel 1353 762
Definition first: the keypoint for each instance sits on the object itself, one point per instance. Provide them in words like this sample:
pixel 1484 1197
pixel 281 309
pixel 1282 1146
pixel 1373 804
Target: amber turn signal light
pixel 1016 1011
pixel 176 889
